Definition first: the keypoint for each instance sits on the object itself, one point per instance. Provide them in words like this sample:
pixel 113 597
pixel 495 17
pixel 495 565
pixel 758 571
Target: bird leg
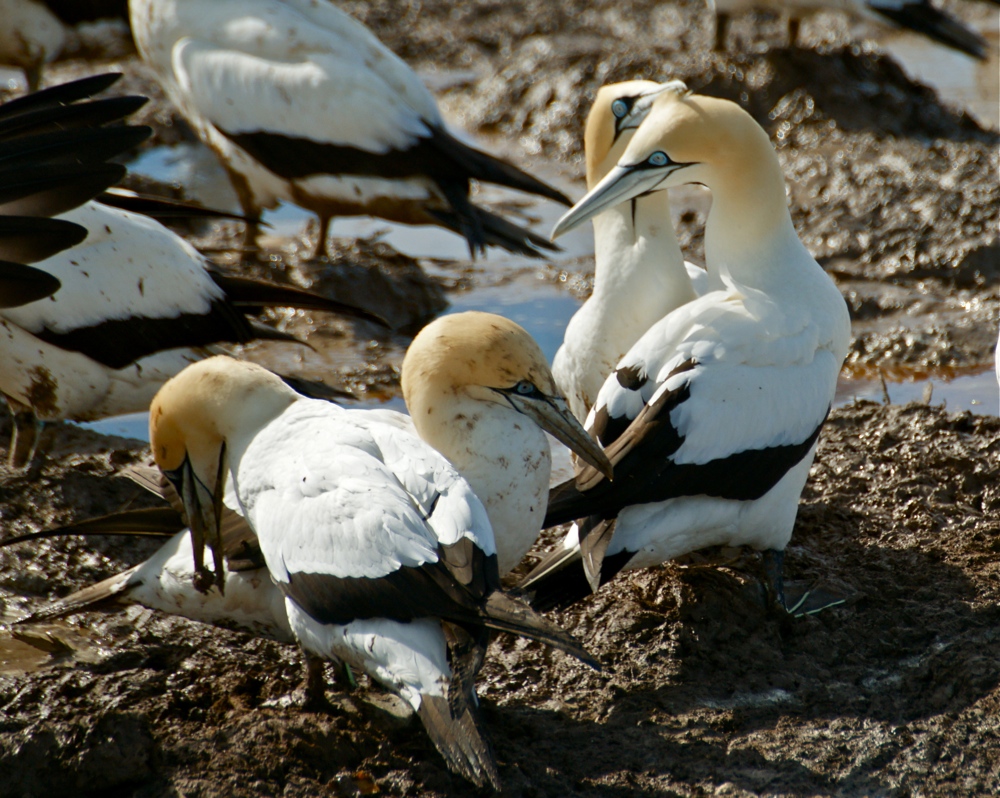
pixel 29 439
pixel 793 31
pixel 33 75
pixel 248 206
pixel 774 561
pixel 721 29
pixel 313 687
pixel 324 231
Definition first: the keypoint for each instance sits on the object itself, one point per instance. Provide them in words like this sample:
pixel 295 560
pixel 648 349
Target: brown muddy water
pixel 893 186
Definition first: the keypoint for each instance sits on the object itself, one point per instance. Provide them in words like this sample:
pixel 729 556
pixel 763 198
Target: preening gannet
pixel 711 419
pixel 918 16
pixel 30 37
pixel 386 557
pixel 639 272
pixel 304 104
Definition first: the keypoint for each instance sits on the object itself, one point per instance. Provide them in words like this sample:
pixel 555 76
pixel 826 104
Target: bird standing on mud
pixel 918 16
pixel 639 272
pixel 304 104
pixel 711 419
pixel 385 556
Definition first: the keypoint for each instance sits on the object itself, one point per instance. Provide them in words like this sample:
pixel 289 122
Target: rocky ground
pixel 703 690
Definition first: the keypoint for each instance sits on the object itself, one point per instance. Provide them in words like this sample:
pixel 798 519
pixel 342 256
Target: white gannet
pixel 639 272
pixel 304 104
pixel 711 419
pixel 918 16
pixel 385 556
pixel 30 37
pixel 137 304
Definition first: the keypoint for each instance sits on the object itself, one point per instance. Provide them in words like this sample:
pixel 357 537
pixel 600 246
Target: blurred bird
pixel 385 556
pixel 30 37
pixel 303 104
pixel 639 272
pixel 918 16
pixel 711 419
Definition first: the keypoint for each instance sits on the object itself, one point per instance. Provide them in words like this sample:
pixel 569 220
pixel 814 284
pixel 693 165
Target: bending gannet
pixel 918 16
pixel 303 104
pixel 385 556
pixel 639 272
pixel 711 419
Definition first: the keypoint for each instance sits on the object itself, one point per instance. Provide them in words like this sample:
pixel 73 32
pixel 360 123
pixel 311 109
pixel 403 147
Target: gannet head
pixel 191 419
pixel 495 361
pixel 686 138
pixel 618 109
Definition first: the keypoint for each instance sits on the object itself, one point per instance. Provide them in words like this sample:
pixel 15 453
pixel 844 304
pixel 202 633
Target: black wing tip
pixel 935 24
pixel 460 741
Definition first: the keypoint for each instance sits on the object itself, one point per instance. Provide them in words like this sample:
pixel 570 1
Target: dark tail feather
pixel 58 95
pixel 492 170
pixel 152 521
pixel 567 503
pixel 507 614
pixel 557 582
pixel 315 389
pixel 29 239
pixel 498 232
pixel 20 284
pixel 83 599
pixel 48 190
pixel 935 24
pixel 68 120
pixel 161 208
pixel 460 741
pixel 249 292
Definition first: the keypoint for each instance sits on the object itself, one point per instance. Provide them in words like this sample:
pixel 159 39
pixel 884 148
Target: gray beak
pixel 621 184
pixel 551 413
pixel 203 510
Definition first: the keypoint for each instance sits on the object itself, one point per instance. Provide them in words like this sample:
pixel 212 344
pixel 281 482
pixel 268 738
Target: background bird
pixel 918 16
pixel 711 419
pixel 303 104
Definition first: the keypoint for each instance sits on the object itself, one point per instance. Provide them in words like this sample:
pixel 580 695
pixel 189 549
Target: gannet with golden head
pixel 639 272
pixel 711 419
pixel 383 552
pixel 304 104
pixel 918 16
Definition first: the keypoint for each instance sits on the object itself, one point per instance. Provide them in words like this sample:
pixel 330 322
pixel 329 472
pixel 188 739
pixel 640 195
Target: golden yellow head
pixel 474 349
pixel 618 109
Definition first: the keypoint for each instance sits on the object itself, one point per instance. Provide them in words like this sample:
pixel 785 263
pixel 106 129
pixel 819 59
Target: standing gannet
pixel 918 16
pixel 711 419
pixel 639 272
pixel 384 554
pixel 137 304
pixel 304 104
pixel 30 37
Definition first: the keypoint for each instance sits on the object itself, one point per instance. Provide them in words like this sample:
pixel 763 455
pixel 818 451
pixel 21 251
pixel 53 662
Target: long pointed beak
pixel 621 184
pixel 552 414
pixel 203 510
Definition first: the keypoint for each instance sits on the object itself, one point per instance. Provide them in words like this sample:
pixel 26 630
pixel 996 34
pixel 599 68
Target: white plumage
pixel 304 104
pixel 711 419
pixel 639 272
pixel 382 550
pixel 30 37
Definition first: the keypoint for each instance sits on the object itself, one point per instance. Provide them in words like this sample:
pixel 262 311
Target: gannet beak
pixel 621 184
pixel 552 414
pixel 203 509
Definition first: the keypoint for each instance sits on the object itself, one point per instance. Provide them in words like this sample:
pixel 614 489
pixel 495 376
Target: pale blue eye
pixel 619 108
pixel 658 159
pixel 524 388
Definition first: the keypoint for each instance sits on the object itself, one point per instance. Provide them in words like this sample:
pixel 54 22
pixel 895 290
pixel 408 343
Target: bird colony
pixel 388 548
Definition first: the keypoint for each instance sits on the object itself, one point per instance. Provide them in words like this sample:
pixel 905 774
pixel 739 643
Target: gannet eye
pixel 619 108
pixel 525 388
pixel 658 159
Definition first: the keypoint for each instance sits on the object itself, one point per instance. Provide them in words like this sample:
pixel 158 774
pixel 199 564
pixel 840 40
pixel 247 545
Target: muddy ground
pixel 704 691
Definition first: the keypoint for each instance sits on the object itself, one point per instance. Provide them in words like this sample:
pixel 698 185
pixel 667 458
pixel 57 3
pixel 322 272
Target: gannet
pixel 639 272
pixel 137 304
pixel 30 37
pixel 918 16
pixel 303 104
pixel 711 419
pixel 385 556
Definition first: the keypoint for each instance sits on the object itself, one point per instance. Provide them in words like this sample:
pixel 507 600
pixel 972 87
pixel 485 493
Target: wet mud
pixel 704 691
